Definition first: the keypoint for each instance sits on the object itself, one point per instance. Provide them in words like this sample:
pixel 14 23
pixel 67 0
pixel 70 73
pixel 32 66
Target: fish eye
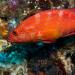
pixel 14 32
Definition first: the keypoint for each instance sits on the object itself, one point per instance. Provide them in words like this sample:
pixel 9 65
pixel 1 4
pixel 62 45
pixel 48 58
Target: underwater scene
pixel 37 37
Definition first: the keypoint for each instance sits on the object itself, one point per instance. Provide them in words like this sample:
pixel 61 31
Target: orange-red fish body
pixel 47 25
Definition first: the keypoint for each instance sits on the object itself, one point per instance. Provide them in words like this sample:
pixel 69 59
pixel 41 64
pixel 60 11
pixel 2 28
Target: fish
pixel 46 26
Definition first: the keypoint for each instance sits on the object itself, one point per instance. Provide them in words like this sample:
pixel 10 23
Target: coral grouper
pixel 47 26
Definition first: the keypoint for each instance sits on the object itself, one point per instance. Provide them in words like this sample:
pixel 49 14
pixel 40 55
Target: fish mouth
pixel 11 38
pixel 17 39
pixel 20 38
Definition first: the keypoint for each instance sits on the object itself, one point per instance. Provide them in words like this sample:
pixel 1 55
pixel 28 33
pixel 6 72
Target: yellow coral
pixel 3 28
